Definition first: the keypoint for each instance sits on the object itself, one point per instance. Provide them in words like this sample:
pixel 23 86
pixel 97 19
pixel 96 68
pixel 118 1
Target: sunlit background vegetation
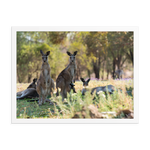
pixel 99 53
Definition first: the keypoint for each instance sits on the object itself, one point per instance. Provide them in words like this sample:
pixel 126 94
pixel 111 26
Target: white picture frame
pixel 136 28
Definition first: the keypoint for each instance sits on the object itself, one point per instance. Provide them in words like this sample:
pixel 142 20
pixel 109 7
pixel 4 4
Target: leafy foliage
pixel 98 52
pixel 29 59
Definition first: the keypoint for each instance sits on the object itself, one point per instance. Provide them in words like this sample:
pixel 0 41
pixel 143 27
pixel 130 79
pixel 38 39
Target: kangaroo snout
pixel 44 59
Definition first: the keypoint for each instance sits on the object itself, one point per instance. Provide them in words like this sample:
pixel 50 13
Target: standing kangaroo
pixel 67 76
pixel 45 84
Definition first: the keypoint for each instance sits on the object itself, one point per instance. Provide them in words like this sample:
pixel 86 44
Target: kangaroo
pixel 110 88
pixel 32 85
pixel 119 73
pixel 45 84
pixel 28 93
pixel 67 76
pixel 85 86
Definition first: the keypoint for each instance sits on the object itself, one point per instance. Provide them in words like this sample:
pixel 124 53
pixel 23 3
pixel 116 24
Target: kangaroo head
pixel 85 83
pixel 72 56
pixel 45 56
pixel 32 85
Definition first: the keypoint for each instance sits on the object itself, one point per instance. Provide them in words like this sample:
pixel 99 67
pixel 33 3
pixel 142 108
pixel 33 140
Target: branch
pixel 127 54
pixel 131 54
pixel 36 70
pixel 123 61
pixel 112 52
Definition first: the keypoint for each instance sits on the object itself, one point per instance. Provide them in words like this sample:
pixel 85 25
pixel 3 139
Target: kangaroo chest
pixel 72 71
pixel 46 78
pixel 46 72
pixel 47 81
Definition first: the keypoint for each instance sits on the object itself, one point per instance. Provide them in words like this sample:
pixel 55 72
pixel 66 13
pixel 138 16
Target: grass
pixel 75 102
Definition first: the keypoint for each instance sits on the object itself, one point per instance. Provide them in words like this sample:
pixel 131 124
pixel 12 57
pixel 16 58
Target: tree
pixel 98 52
pixel 117 47
pixel 56 37
pixel 96 43
pixel 29 57
pixel 128 46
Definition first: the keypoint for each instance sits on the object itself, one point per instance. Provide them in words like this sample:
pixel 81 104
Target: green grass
pixel 32 110
pixel 75 102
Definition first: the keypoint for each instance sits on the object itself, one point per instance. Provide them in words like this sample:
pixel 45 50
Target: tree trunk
pixel 103 70
pixel 77 75
pixel 18 78
pixel 114 64
pixel 119 62
pixel 123 62
pixel 29 78
pixel 96 70
pixel 89 73
pixel 131 54
pixel 37 75
pixel 107 74
pixel 97 74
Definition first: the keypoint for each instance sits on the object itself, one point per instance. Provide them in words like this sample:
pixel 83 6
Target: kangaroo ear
pixel 82 80
pixel 75 53
pixel 88 80
pixel 41 52
pixel 69 53
pixel 47 53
